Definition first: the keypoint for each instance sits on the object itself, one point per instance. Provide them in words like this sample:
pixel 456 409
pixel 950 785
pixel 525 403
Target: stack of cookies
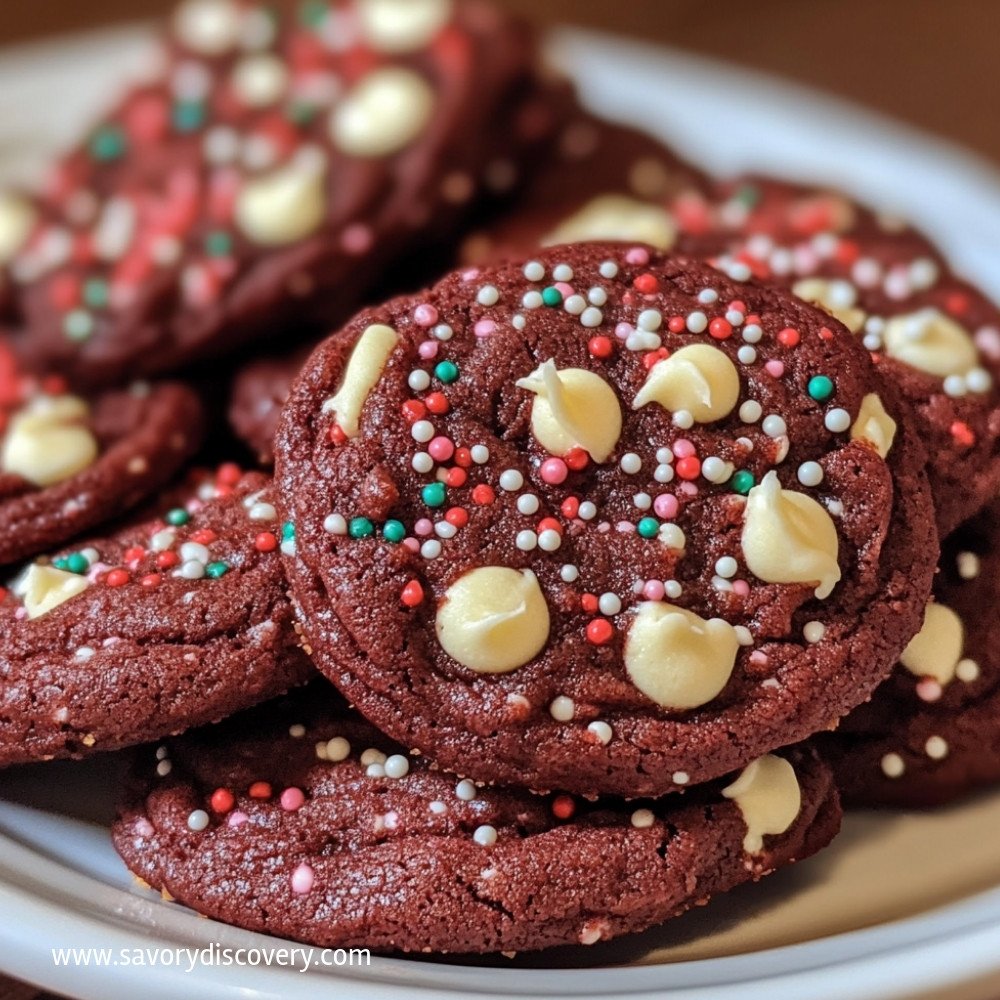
pixel 585 577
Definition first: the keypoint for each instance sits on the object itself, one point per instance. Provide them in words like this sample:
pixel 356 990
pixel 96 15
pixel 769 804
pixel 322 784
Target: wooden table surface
pixel 932 63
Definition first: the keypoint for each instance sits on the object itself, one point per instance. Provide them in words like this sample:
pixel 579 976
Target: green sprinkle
pixel 552 297
pixel 446 371
pixel 393 531
pixel 218 243
pixel 188 116
pixel 77 563
pixel 61 563
pixel 433 494
pixel 360 527
pixel 313 13
pixel 107 143
pixel 177 517
pixel 95 293
pixel 748 194
pixel 216 569
pixel 78 324
pixel 742 482
pixel 288 532
pixel 820 388
pixel 648 527
pixel 300 112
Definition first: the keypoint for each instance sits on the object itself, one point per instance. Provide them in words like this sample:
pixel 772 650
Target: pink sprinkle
pixel 424 526
pixel 682 448
pixel 357 238
pixel 428 349
pixel 425 315
pixel 237 818
pixel 441 449
pixel 625 527
pixel 292 799
pixel 758 659
pixel 929 689
pixel 688 489
pixel 303 879
pixel 604 527
pixel 484 328
pixel 637 255
pixel 553 471
pixel 411 545
pixel 653 590
pixel 775 368
pixel 565 288
pixel 471 274
pixel 665 505
pixel 624 330
pixel 144 828
pixel 741 587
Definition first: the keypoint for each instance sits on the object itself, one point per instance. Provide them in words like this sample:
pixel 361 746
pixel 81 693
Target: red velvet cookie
pixel 931 732
pixel 606 521
pixel 266 175
pixel 155 628
pixel 69 463
pixel 303 821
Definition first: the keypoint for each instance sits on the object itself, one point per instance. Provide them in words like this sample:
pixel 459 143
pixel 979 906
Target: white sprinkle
pixel 602 731
pixel 488 296
pixel 549 540
pixel 743 635
pixel 397 766
pixel 837 420
pixel 631 463
pixel 297 731
pixel 587 511
pixel 814 631
pixel 191 570
pixel 569 573
pixel 437 807
pixel 978 380
pixel 375 771
pixel 597 296
pixel 198 820
pixel 673 589
pixel 194 551
pixel 643 501
pixel 443 332
pixel 485 836
pixel 372 756
pixel 650 320
pixel 163 540
pixel 562 272
pixel 664 455
pixel 774 426
pixel 527 503
pixel 664 474
pixel 466 790
pixel 422 462
pixel 683 419
pixel 726 567
pixel 575 304
pixel 609 603
pixel 591 317
pixel 681 777
pixel 715 470
pixel 810 473
pixel 431 549
pixel 893 766
pixel 642 819
pixel 747 354
pixel 526 540
pixel 936 747
pixel 968 565
pixel 672 536
pixel 163 768
pixel 511 480
pixel 562 708
pixel 697 321
pixel 532 300
pixel 608 269
pixel 418 380
pixel 337 749
pixel 750 411
pixel 262 512
pixel 480 454
pixel 707 296
pixel 752 333
pixel 445 529
pixel 534 271
pixel 967 671
pixel 422 431
pixel 734 317
pixel 955 386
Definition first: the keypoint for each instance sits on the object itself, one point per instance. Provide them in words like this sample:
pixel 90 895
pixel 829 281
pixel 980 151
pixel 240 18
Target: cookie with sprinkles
pixel 70 462
pixel 281 821
pixel 606 521
pixel 155 628
pixel 931 732
pixel 934 335
pixel 267 175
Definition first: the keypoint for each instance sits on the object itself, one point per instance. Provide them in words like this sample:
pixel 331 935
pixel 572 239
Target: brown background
pixel 935 63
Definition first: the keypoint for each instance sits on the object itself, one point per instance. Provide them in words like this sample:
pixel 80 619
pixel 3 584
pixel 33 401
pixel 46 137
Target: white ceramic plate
pixel 901 906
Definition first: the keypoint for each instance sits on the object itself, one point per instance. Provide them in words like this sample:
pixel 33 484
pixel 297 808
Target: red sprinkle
pixel 600 631
pixel 589 603
pixel 414 410
pixel 825 333
pixel 204 536
pixel 677 324
pixel 117 578
pixel 720 329
pixel 647 284
pixel 151 581
pixel 260 790
pixel 963 434
pixel 600 347
pixel 337 435
pixel 458 516
pixel 788 337
pixel 650 358
pixel 166 559
pixel 576 459
pixel 455 477
pixel 437 402
pixel 133 553
pixel 413 594
pixel 265 542
pixel 689 467
pixel 483 495
pixel 563 806
pixel 463 457
pixel 549 524
pixel 222 800
pixel 229 474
